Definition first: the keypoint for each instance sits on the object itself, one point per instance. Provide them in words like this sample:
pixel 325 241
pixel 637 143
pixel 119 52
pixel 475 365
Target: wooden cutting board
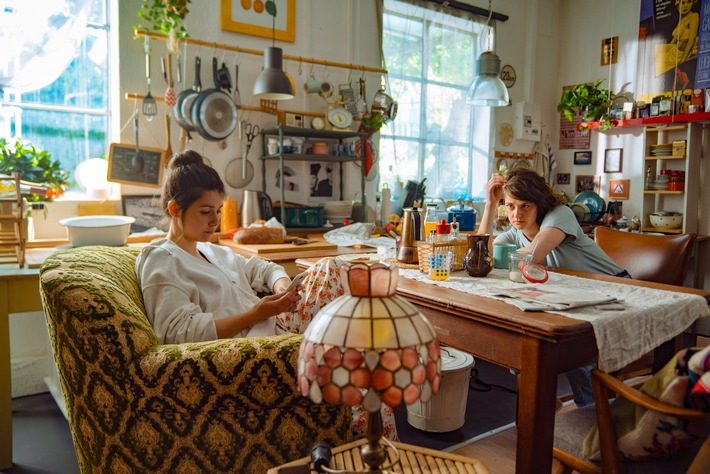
pixel 261 249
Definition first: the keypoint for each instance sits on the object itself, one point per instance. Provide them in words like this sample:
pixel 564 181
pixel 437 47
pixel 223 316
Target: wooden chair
pixel 656 258
pixel 571 428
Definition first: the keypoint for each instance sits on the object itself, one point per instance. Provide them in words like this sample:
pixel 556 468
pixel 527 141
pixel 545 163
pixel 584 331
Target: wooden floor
pixel 497 452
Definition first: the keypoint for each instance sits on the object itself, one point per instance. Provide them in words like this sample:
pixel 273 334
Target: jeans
pixel 580 380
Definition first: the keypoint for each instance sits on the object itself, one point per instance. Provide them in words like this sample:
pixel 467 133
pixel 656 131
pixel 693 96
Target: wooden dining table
pixel 537 345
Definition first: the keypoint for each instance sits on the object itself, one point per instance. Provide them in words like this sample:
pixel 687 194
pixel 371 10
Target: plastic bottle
pixel 443 231
pixel 230 219
pixel 649 178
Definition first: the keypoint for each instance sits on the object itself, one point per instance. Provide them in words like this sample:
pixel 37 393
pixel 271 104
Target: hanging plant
pixel 166 17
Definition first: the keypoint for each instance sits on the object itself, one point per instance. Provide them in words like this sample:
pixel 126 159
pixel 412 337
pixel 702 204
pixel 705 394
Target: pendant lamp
pixel 487 89
pixel 273 83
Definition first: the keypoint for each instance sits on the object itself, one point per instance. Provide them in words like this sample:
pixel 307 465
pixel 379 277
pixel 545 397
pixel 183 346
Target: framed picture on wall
pixel 562 178
pixel 619 189
pixel 249 18
pixel 324 181
pixel 587 182
pixel 295 182
pixel 613 159
pixel 146 209
pixel 583 157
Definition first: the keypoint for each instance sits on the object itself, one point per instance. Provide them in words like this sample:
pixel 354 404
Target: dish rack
pixel 458 247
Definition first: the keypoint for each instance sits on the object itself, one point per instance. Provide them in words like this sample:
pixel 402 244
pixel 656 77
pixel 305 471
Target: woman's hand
pixel 494 188
pixel 272 305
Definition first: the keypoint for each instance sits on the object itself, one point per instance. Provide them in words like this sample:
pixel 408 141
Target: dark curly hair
pixel 187 178
pixel 527 185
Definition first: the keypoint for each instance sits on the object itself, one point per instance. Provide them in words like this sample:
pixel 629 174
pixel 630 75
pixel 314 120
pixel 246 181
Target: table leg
pixel 536 407
pixel 5 380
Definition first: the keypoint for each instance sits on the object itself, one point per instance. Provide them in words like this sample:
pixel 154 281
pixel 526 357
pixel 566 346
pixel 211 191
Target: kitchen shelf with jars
pixel 672 166
pixel 284 143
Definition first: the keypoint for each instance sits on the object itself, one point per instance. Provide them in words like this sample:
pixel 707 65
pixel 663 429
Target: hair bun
pixel 186 159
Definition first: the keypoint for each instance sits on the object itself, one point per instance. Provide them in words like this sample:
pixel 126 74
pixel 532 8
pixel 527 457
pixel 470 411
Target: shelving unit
pixel 12 223
pixel 680 201
pixel 283 131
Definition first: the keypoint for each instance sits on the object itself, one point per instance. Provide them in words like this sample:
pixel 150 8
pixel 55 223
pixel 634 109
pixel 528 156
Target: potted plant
pixel 34 165
pixel 166 16
pixel 591 100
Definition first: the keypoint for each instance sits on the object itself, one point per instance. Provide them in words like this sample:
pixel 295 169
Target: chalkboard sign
pixel 144 168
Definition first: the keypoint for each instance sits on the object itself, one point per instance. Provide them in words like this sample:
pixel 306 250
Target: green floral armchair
pixel 137 406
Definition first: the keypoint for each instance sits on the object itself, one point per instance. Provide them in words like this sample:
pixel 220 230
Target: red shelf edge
pixel 665 119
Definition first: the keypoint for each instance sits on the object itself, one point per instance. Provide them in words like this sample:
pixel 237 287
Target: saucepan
pixel 213 112
pixel 385 105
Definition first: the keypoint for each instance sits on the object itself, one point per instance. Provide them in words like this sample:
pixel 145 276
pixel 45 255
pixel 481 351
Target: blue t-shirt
pixel 576 251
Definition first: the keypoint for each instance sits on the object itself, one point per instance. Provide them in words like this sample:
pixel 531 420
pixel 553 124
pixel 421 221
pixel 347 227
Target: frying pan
pixel 233 173
pixel 185 99
pixel 214 114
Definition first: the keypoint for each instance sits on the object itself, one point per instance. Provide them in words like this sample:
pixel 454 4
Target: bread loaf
pixel 259 235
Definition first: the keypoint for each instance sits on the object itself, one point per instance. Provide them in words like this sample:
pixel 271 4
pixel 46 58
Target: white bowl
pixel 660 221
pixel 98 230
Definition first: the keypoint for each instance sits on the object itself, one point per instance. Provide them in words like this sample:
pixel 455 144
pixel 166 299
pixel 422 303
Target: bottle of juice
pixel 431 219
pixel 229 218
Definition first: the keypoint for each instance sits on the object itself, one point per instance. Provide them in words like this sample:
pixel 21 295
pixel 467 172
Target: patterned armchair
pixel 137 406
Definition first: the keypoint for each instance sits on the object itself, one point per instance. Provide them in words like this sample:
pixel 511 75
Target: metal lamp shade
pixel 487 89
pixel 273 83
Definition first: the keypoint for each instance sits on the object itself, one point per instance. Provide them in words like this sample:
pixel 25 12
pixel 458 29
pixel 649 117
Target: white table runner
pixel 649 318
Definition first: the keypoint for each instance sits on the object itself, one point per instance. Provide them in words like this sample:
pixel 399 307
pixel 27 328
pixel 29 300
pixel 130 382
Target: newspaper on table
pixel 554 298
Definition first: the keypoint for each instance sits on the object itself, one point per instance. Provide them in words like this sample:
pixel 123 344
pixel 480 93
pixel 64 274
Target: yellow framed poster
pixel 250 17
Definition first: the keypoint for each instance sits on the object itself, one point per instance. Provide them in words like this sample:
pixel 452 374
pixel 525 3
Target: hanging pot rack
pixel 222 46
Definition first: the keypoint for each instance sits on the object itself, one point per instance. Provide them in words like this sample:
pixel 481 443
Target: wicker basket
pixel 458 247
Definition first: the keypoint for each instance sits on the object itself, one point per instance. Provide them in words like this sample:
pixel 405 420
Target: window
pixel 70 118
pixel 430 57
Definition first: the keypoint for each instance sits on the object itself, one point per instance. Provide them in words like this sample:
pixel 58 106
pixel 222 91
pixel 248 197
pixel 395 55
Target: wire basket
pixel 458 247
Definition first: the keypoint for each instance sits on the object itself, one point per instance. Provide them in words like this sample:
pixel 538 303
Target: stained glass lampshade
pixel 369 347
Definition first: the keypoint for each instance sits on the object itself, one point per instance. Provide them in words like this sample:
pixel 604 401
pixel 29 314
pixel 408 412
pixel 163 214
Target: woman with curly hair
pixel 541 221
pixel 544 225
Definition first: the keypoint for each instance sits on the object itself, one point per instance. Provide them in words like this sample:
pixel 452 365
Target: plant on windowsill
pixel 34 165
pixel 589 100
pixel 166 17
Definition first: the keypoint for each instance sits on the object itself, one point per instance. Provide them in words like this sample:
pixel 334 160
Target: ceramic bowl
pixel 98 230
pixel 665 221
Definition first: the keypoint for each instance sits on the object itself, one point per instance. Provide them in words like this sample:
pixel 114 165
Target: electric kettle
pixel 255 205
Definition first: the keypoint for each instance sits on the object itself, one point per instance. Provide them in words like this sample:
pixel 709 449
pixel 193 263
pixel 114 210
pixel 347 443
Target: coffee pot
pixel 255 205
pixel 411 232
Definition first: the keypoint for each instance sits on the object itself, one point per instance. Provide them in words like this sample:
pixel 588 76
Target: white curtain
pixel 38 40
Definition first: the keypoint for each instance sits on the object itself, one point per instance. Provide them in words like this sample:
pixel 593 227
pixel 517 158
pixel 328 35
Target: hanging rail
pixel 257 52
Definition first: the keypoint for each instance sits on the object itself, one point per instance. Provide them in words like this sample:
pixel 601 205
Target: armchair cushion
pixel 643 434
pixel 136 406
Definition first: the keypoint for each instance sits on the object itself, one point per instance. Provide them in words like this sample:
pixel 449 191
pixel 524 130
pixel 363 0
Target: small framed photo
pixel 613 158
pixel 147 211
pixel 610 51
pixel 587 182
pixel 583 157
pixel 619 189
pixel 562 178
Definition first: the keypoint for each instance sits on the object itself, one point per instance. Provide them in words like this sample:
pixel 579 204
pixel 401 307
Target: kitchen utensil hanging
pixel 237 99
pixel 348 96
pixel 185 100
pixel 150 107
pixel 214 114
pixel 239 173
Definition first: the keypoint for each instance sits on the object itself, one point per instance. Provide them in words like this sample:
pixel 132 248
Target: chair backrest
pixel 656 258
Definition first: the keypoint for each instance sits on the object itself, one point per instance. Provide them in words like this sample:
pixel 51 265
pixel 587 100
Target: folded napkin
pixel 354 234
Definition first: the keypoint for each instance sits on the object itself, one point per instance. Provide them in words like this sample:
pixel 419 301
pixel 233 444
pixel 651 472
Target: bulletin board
pixel 142 168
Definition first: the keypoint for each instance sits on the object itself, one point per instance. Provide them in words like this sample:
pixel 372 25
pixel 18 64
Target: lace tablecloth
pixel 649 318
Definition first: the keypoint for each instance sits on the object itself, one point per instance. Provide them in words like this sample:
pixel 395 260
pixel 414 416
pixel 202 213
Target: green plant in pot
pixel 34 165
pixel 591 100
pixel 166 17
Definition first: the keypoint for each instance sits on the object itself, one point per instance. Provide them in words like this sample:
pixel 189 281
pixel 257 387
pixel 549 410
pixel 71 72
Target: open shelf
pixel 668 157
pixel 661 120
pixel 661 191
pixel 662 231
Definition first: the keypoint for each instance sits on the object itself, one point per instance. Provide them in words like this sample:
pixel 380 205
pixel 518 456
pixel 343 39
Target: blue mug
pixel 500 254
